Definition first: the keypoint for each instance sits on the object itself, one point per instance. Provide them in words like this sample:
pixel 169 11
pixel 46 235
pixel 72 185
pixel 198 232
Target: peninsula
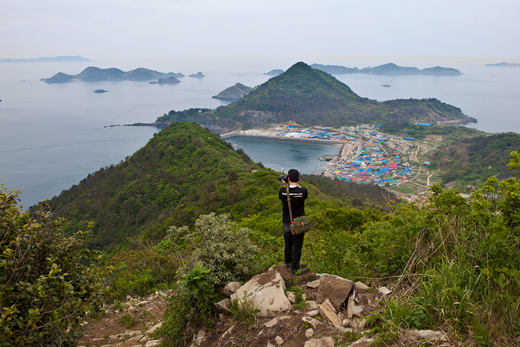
pixel 95 74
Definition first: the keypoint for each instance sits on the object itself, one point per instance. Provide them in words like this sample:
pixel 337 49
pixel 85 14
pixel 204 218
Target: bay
pixel 54 135
pixel 283 155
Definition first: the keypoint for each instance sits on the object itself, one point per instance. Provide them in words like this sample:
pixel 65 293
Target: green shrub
pixel 219 246
pixel 213 253
pixel 44 284
pixel 140 272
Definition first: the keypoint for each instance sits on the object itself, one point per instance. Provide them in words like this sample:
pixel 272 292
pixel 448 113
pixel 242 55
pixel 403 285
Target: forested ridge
pixel 312 97
pixel 185 171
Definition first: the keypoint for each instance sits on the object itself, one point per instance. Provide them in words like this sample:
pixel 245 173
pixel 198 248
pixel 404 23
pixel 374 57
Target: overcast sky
pixel 100 28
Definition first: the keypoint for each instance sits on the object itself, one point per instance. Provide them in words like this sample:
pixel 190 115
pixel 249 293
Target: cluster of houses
pixel 366 161
pixel 366 156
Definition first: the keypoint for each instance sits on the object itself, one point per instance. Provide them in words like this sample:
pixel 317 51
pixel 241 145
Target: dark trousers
pixel 293 247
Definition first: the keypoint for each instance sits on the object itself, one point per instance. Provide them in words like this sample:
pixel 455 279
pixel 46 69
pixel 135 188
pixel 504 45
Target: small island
pixel 169 80
pixel 233 93
pixel 274 72
pixel 386 85
pixel 197 75
pixel 99 91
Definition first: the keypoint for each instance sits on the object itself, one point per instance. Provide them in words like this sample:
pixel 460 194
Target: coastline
pixel 282 138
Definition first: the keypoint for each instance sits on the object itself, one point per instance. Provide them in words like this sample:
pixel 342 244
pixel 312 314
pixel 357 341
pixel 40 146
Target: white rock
pixel 309 332
pixel 360 286
pixel 324 342
pixel 313 284
pixel 154 328
pixel 291 296
pixel 271 323
pixel 261 288
pixel 312 313
pixel 153 343
pixel 428 335
pixel 362 342
pixel 278 340
pixel 384 290
pixel 311 305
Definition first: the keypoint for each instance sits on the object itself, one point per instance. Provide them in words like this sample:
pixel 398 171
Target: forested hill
pixel 312 97
pixel 184 171
pixel 472 161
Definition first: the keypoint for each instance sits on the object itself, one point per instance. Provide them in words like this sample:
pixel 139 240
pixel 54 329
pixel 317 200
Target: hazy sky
pixel 101 28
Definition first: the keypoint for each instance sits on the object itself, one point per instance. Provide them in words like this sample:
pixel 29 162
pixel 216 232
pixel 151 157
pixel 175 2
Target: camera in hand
pixel 283 178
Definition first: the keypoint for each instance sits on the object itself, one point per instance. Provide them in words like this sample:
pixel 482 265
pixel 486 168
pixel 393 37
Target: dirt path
pixel 126 324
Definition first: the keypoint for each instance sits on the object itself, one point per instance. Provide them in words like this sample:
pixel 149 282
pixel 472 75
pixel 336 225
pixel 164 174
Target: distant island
pixel 504 64
pixel 233 93
pixel 168 80
pixel 389 69
pixel 95 74
pixel 274 72
pixel 99 91
pixel 197 75
pixel 59 59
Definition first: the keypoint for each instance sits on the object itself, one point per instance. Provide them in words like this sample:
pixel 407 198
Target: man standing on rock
pixel 293 243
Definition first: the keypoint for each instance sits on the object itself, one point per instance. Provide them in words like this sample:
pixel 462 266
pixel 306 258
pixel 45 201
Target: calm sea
pixel 52 136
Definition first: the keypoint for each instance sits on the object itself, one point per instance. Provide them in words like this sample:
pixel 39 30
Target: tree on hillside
pixel 44 284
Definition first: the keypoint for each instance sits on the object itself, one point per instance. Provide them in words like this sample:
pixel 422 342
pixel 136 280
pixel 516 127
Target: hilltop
pixel 312 97
pixel 95 74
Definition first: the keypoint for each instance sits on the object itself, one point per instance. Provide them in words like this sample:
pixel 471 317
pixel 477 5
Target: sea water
pixel 54 135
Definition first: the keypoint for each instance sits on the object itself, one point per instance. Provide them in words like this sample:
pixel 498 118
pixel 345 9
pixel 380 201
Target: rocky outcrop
pixel 341 311
pixel 265 292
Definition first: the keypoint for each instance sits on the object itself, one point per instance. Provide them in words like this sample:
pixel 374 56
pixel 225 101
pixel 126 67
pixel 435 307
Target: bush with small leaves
pixel 44 284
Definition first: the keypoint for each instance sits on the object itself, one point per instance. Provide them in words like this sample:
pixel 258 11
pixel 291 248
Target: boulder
pixel 224 304
pixel 265 292
pixel 230 288
pixel 334 288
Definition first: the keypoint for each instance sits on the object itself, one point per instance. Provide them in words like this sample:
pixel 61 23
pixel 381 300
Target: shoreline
pixel 281 138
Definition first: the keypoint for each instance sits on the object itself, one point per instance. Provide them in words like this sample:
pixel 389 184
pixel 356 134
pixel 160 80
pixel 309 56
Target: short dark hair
pixel 293 175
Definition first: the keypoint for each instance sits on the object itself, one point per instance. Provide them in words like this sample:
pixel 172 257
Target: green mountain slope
pixel 312 97
pixel 184 171
pixel 472 161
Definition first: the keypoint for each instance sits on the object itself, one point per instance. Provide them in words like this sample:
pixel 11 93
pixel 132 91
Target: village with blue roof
pixel 366 155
